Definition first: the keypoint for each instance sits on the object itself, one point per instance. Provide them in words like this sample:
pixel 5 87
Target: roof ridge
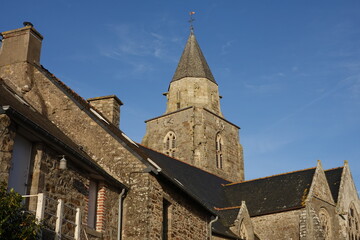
pixel 333 168
pixel 275 175
pixel 86 105
pixel 226 208
pixel 182 162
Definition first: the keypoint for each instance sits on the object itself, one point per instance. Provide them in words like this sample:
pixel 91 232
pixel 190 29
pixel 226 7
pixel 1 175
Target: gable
pixel 320 188
pixel 347 191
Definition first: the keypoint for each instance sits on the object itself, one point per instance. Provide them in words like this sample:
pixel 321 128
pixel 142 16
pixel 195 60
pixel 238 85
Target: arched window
pixel 170 144
pixel 325 222
pixel 219 151
pixel 353 224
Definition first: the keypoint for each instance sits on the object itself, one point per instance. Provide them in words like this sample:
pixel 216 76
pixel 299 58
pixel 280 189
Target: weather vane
pixel 191 21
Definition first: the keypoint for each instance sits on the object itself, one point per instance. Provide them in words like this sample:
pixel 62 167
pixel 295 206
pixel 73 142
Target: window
pixel 353 224
pixel 166 219
pixel 20 164
pixel 92 204
pixel 178 97
pixel 170 144
pixel 219 151
pixel 325 222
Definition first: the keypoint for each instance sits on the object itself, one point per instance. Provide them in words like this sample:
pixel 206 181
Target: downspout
pixel 210 226
pixel 121 196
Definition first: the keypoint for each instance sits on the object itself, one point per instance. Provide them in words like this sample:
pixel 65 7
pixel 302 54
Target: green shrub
pixel 15 221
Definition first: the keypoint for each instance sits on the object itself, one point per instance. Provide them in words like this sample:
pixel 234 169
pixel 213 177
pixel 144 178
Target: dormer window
pixel 170 144
pixel 219 151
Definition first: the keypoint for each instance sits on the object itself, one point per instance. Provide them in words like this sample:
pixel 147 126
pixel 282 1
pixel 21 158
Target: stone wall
pixel 284 225
pixel 193 92
pixel 196 130
pixel 332 223
pixel 142 214
pixel 53 102
pixel 348 196
pixel 70 185
pixel 47 96
pixel 7 135
pixel 186 221
pixel 182 124
pixel 109 153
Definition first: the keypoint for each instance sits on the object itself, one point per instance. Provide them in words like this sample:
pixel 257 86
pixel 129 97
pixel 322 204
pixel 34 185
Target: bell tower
pixel 193 128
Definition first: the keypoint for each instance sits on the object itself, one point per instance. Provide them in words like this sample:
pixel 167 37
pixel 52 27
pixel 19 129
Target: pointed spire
pixel 192 62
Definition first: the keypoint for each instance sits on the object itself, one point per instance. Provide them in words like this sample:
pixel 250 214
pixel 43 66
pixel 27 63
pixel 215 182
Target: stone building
pixel 186 179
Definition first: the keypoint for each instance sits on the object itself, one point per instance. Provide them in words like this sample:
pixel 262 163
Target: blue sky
pixel 288 71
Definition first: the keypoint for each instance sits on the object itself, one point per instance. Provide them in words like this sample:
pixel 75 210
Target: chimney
pixel 109 106
pixel 21 45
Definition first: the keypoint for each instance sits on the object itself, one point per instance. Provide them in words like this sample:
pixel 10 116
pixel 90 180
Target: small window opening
pixel 166 219
pixel 219 151
pixel 92 204
pixel 170 144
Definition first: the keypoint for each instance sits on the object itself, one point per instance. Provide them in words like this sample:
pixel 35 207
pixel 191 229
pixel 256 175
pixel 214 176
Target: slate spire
pixel 192 62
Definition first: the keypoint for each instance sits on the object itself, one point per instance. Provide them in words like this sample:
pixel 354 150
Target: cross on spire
pixel 191 21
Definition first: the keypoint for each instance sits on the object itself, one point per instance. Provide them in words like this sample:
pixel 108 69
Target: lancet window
pixel 353 224
pixel 219 151
pixel 325 222
pixel 170 144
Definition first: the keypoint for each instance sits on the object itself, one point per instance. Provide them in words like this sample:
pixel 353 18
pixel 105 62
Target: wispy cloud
pixel 267 143
pixel 295 68
pixel 352 83
pixel 355 87
pixel 262 88
pixel 267 83
pixel 135 42
pixel 225 47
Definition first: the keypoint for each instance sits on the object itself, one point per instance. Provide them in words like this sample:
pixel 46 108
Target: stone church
pixel 86 179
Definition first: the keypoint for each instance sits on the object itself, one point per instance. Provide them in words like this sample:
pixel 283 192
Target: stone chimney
pixel 21 45
pixel 109 106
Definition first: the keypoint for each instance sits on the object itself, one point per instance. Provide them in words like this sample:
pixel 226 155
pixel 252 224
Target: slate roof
pixel 333 177
pixel 192 62
pixel 271 194
pixel 201 185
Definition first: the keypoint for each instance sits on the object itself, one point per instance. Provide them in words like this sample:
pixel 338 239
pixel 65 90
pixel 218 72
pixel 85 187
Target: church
pixel 86 179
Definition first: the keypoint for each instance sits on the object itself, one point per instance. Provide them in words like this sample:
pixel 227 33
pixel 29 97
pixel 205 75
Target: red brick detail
pixel 101 208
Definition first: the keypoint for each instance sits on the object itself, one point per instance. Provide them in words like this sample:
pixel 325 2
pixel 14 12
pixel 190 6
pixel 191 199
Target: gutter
pixel 121 196
pixel 210 226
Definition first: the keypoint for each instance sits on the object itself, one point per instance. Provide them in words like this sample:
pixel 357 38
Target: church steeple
pixel 192 62
pixel 193 128
pixel 193 84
